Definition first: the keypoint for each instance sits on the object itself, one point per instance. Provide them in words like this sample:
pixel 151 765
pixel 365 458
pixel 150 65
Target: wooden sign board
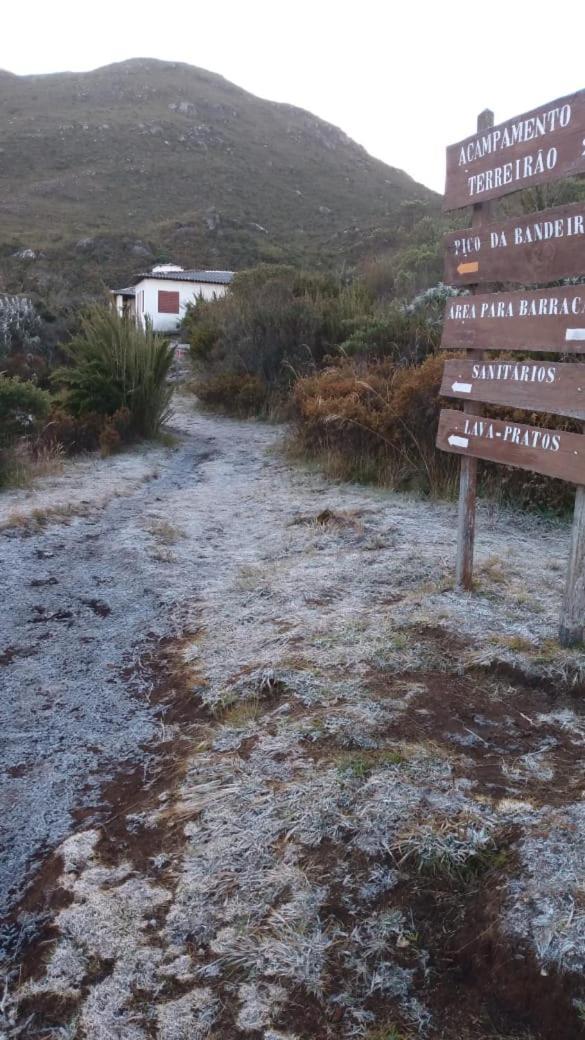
pixel 539 146
pixel 540 247
pixel 552 452
pixel 549 319
pixel 535 386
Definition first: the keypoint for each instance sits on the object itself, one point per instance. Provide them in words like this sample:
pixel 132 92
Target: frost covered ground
pixel 349 800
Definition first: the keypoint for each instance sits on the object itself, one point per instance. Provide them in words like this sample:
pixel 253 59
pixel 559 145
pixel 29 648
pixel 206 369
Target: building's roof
pixel 130 291
pixel 213 277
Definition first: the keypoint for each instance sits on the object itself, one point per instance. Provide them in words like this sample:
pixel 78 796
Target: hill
pixel 104 172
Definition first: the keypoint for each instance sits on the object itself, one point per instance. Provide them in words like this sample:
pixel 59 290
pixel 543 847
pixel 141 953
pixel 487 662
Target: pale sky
pixel 403 79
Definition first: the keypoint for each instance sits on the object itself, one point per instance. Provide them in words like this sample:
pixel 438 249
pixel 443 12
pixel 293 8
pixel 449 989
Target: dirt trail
pixel 321 776
pixel 80 601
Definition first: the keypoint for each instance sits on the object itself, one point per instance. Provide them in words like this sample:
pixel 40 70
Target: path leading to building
pixel 243 713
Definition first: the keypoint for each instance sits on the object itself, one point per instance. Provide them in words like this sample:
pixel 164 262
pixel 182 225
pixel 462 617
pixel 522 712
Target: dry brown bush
pixel 377 422
pixel 238 393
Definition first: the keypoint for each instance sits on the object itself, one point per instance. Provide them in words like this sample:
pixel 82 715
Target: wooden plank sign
pixel 536 386
pixel 552 452
pixel 549 319
pixel 540 247
pixel 536 148
pixel 543 145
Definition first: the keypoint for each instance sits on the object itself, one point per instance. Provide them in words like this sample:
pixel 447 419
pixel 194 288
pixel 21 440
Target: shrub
pixel 244 395
pixel 526 490
pixel 275 324
pixel 22 405
pixel 115 365
pixel 19 325
pixel 395 333
pixel 115 431
pixel 376 421
pixel 25 347
pixel 74 433
pixel 278 324
pixel 406 260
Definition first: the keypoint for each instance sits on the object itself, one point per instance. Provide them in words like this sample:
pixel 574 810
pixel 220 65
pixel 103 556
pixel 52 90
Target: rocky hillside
pixel 102 172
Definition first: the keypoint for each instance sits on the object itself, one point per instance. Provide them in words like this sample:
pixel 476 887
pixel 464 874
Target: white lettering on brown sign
pixel 539 146
pixel 540 247
pixel 558 388
pixel 552 452
pixel 547 319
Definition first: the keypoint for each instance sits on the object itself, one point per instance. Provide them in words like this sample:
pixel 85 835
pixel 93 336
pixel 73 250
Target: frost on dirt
pixel 188 1018
pixel 335 770
pixel 548 900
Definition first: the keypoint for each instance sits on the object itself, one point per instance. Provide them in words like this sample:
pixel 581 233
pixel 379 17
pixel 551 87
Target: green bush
pixel 22 405
pixel 278 324
pixel 393 333
pixel 115 365
pixel 275 324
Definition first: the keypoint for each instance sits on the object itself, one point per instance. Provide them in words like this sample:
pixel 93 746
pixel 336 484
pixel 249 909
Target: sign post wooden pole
pixel 573 609
pixel 538 147
pixel 468 472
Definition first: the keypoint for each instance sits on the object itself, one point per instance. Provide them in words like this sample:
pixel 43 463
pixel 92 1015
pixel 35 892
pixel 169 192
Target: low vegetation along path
pixel 266 774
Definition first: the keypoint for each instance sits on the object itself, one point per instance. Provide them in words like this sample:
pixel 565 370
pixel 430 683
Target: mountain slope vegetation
pixel 104 172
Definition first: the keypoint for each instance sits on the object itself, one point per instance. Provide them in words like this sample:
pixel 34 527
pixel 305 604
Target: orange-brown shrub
pixel 74 434
pixel 240 394
pixel 377 422
pixel 115 431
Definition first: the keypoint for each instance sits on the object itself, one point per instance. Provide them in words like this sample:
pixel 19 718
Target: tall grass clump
pixel 116 368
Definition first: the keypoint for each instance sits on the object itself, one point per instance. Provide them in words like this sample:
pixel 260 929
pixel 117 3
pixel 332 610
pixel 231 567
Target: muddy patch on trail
pixel 285 882
pixel 478 974
pixel 443 924
pixel 511 741
pixel 11 653
pixel 130 799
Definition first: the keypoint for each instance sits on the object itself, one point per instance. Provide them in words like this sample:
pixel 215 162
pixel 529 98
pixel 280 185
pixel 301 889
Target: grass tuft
pixel 365 763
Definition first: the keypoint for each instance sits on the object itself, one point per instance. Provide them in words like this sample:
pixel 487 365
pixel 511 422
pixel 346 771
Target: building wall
pixel 147 306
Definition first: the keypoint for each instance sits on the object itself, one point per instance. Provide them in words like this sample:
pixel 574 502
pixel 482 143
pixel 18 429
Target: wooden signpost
pixel 541 146
pixel 547 319
pixel 537 386
pixel 468 472
pixel 552 452
pixel 535 148
pixel 540 247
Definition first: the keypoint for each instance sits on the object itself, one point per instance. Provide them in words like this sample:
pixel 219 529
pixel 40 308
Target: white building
pixel 161 296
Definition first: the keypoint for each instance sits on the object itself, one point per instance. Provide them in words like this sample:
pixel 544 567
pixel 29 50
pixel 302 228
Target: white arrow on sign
pixel 462 388
pixel 458 442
